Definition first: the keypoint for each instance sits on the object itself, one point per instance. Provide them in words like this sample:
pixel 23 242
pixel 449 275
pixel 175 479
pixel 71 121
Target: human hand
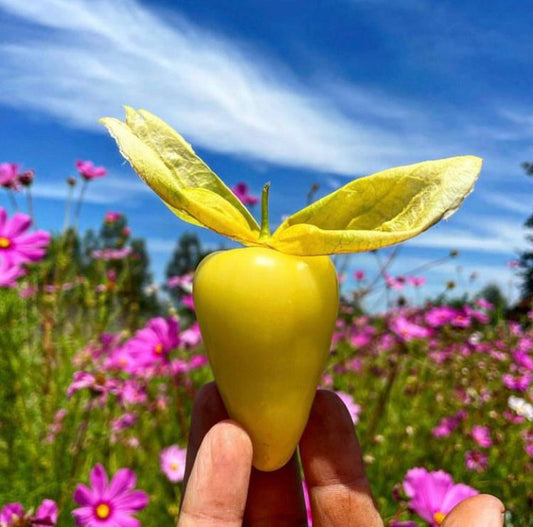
pixel 222 488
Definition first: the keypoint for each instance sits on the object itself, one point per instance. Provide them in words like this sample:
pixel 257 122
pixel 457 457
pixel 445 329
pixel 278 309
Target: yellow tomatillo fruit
pixel 267 319
pixel 267 312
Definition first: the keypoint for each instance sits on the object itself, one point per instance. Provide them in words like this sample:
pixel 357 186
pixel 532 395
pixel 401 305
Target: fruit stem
pixel 265 228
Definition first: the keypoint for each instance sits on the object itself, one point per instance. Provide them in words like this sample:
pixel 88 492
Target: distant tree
pixel 526 257
pixel 493 294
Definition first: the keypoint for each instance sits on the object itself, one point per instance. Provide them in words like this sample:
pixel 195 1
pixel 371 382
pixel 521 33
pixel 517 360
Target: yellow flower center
pixel 174 466
pixel 439 517
pixel 5 243
pixel 103 511
pixel 159 349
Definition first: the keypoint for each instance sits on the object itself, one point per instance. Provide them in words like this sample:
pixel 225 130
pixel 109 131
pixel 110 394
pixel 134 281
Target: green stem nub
pixel 265 228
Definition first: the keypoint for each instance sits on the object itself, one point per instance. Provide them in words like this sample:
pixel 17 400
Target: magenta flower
pixel 12 515
pixel 98 384
pixel 241 191
pixel 416 281
pixel 394 283
pixel 150 346
pixel 433 494
pixel 351 405
pixel 112 217
pixel 172 461
pixel 481 436
pixel 476 460
pixel 9 274
pixel 440 316
pixel 109 504
pixel 407 330
pixel 359 275
pixel 191 337
pixel 307 502
pixel 8 175
pixel 88 171
pixel 17 247
pixel 111 254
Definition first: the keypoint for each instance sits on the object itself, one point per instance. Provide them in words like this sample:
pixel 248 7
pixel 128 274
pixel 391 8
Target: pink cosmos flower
pixel 416 281
pixel 112 217
pixel 12 514
pixel 99 384
pixel 9 274
pixel 352 406
pixel 172 462
pixel 476 460
pixel 307 502
pixel 184 281
pixel 8 175
pixel 88 171
pixel 111 254
pixel 241 191
pixel 440 316
pixel 481 436
pixel 191 337
pixel 359 275
pixel 519 383
pixel 17 247
pixel 407 330
pixel 150 346
pixel 188 302
pixel 109 504
pixel 394 283
pixel 433 494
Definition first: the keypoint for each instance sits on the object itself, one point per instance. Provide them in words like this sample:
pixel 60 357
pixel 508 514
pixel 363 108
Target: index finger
pixel 339 490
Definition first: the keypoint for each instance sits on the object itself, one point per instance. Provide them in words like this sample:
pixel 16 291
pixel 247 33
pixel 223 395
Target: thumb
pixel 483 510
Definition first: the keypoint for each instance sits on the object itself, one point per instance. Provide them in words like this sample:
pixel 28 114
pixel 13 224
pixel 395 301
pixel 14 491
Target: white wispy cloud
pixel 105 192
pixel 82 59
pixel 93 56
pixel 485 234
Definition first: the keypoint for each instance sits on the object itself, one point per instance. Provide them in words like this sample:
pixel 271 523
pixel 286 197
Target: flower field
pixel 99 374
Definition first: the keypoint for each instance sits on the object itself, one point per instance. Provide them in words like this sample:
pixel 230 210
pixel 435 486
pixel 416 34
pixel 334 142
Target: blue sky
pixel 288 92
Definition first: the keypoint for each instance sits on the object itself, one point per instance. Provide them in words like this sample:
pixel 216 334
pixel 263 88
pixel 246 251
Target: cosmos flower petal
pixel 455 495
pixel 132 501
pixel 83 495
pixel 124 520
pixel 83 516
pixel 98 479
pixel 123 481
pixel 18 224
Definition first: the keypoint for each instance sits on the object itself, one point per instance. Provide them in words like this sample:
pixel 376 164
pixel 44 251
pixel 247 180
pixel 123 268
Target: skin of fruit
pixel 267 319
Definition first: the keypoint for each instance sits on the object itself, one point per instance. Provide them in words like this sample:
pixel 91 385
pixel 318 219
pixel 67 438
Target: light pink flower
pixel 111 254
pixel 13 515
pixel 307 502
pixel 433 494
pixel 407 330
pixel 8 175
pixel 16 247
pixel 351 405
pixel 241 191
pixel 109 504
pixel 191 337
pixel 172 462
pixel 476 460
pixel 112 217
pixel 359 275
pixel 416 281
pixel 88 171
pixel 9 274
pixel 481 436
